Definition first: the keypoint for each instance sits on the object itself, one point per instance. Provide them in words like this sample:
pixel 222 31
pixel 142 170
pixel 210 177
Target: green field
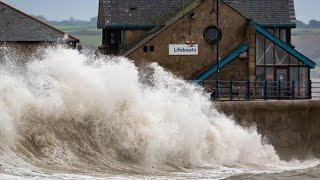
pixel 316 30
pixel 305 31
pixel 67 27
pixel 89 40
pixel 88 34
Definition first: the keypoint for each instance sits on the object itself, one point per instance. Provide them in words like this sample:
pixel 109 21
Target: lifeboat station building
pixel 238 49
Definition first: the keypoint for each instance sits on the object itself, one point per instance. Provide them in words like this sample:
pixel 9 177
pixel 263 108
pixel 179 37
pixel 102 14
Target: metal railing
pixel 315 90
pixel 261 90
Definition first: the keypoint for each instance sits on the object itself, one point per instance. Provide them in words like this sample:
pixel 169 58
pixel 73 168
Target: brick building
pixel 26 34
pixel 254 38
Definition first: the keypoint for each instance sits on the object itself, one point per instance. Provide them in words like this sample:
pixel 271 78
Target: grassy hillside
pixel 88 34
pixel 306 30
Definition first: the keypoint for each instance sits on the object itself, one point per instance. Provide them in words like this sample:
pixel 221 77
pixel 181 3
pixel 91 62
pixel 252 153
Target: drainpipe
pixel 218 49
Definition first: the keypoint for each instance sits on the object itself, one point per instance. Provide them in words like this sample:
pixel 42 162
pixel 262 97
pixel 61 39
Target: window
pixel 294 74
pixel 294 61
pixel 304 75
pixel 260 50
pixel 272 60
pixel 260 81
pixel 281 57
pixel 151 48
pixel 145 48
pixel 270 78
pixel 283 35
pixel 260 74
pixel 303 83
pixel 192 15
pixel 212 35
pixel 277 33
pixel 112 39
pixel 269 73
pixel 269 52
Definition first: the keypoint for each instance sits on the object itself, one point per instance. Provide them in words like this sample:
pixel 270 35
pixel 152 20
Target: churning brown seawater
pixel 67 115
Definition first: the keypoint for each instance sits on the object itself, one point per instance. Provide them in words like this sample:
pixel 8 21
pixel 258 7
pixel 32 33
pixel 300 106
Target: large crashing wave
pixel 66 111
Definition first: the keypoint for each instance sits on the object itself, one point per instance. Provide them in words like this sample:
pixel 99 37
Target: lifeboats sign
pixel 183 50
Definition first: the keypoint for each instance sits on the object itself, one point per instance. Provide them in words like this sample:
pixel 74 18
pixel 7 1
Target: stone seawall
pixel 293 127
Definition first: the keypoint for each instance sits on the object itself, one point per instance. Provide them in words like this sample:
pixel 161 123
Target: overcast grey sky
pixel 85 9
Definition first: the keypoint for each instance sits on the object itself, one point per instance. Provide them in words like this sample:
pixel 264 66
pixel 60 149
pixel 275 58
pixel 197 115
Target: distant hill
pixel 71 21
pixel 301 25
pixel 86 31
pixel 313 24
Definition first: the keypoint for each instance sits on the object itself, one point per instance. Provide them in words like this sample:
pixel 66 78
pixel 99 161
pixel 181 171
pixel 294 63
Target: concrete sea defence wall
pixel 292 127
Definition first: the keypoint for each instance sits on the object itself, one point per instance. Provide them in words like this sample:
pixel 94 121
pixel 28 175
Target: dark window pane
pixel 294 74
pixel 270 73
pixel 283 35
pixel 304 74
pixel 303 81
pixel 112 38
pixel 270 79
pixel 145 49
pixel 151 48
pixel 260 75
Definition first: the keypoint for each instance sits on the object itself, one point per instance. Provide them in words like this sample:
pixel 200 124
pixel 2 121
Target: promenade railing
pixel 261 90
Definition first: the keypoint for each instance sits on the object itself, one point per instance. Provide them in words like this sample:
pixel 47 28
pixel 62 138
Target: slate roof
pixel 16 26
pixel 266 12
pixel 137 12
pixel 155 12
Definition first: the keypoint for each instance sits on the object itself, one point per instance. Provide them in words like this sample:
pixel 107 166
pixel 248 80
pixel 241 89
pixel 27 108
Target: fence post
pixel 279 89
pixel 231 89
pixel 265 93
pixel 293 89
pixel 310 89
pixel 248 90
